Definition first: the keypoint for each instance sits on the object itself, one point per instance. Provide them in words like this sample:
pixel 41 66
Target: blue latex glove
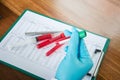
pixel 77 62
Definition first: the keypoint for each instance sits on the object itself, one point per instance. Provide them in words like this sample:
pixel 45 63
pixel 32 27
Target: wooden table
pixel 99 16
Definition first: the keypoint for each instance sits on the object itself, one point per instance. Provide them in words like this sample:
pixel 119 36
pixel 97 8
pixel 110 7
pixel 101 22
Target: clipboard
pixel 58 21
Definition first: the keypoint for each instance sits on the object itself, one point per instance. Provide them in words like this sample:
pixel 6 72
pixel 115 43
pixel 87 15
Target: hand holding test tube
pixel 77 62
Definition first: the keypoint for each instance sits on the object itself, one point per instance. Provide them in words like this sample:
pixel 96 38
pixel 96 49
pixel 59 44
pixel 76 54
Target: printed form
pixel 34 60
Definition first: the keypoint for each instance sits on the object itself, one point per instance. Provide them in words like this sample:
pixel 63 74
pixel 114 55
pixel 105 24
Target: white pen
pixel 42 32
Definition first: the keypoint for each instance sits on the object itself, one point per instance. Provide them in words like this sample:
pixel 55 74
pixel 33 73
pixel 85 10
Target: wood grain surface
pixel 99 16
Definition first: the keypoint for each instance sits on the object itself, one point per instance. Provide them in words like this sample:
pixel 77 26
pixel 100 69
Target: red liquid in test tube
pixel 47 42
pixel 53 49
pixel 43 37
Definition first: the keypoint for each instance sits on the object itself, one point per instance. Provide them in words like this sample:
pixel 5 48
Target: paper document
pixel 34 60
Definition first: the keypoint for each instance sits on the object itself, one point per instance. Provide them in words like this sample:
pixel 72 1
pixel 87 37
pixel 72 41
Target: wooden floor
pixel 99 16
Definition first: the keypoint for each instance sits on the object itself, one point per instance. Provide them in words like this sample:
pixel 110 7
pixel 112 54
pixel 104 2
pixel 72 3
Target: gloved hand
pixel 77 62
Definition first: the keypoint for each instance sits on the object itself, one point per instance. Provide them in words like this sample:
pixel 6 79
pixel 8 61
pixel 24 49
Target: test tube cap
pixel 82 34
